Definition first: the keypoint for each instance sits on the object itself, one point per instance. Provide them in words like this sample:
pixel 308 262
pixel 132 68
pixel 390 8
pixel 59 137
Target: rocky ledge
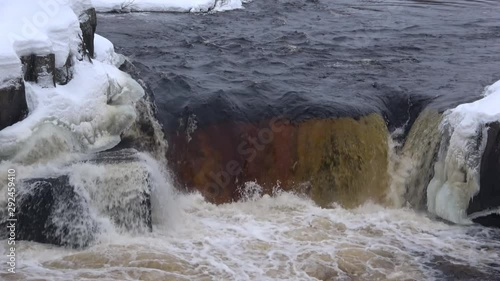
pixel 13 107
pixel 484 207
pixel 72 208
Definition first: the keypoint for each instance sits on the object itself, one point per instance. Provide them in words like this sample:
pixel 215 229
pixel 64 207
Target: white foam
pixel 456 178
pixel 281 237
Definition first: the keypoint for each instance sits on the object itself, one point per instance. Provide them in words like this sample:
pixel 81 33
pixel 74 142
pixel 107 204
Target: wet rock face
pixel 52 211
pixel 64 209
pixel 64 74
pixel 13 107
pixel 340 160
pixel 40 69
pixel 488 197
pixel 146 133
pixel 88 25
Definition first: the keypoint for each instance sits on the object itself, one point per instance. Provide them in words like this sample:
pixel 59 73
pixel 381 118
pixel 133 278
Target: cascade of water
pixel 411 163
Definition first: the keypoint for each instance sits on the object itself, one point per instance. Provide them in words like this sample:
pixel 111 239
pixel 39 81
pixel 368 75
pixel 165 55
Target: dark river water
pixel 315 58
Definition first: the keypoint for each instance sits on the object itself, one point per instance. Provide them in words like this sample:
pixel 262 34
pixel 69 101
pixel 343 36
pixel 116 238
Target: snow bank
pixel 10 65
pixel 105 51
pixel 456 178
pixel 167 5
pixel 90 112
pixel 37 27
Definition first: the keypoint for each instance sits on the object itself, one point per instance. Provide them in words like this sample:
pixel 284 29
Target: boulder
pixel 71 209
pixel 484 204
pixel 64 74
pixel 51 211
pixel 13 107
pixel 342 160
pixel 40 69
pixel 145 134
pixel 88 25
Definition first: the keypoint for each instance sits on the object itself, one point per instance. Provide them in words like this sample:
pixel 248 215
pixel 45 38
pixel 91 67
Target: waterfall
pixel 412 166
pixel 73 200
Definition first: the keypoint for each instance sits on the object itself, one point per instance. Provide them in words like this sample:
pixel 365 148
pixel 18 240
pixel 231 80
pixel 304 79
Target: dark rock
pixel 146 134
pixel 51 211
pixel 88 25
pixel 492 220
pixel 64 74
pixel 40 69
pixel 60 211
pixel 401 109
pixel 114 156
pixel 13 107
pixel 488 197
pixel 450 269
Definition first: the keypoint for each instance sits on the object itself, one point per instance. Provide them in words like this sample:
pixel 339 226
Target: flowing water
pixel 283 237
pixel 307 59
pixel 436 50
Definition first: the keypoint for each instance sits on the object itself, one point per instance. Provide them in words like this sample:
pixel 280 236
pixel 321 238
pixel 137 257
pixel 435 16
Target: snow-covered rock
pixel 457 172
pixel 38 27
pixel 80 103
pixel 93 102
pixel 105 52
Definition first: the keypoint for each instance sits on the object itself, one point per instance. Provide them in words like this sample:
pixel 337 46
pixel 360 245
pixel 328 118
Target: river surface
pixel 303 59
pixel 306 59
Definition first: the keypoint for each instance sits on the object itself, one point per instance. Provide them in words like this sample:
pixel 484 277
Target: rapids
pixel 283 237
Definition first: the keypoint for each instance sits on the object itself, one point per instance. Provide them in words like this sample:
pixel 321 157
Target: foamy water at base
pixel 284 237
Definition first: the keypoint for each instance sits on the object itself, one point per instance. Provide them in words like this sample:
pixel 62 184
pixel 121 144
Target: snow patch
pixel 104 51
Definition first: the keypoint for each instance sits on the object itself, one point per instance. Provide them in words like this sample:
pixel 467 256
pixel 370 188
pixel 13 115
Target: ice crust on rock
pixel 86 115
pixel 456 176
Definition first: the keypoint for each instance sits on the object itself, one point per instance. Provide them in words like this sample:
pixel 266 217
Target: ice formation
pixel 87 114
pixel 456 176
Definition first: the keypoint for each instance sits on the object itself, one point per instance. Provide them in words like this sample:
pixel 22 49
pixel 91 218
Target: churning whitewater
pixel 280 237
